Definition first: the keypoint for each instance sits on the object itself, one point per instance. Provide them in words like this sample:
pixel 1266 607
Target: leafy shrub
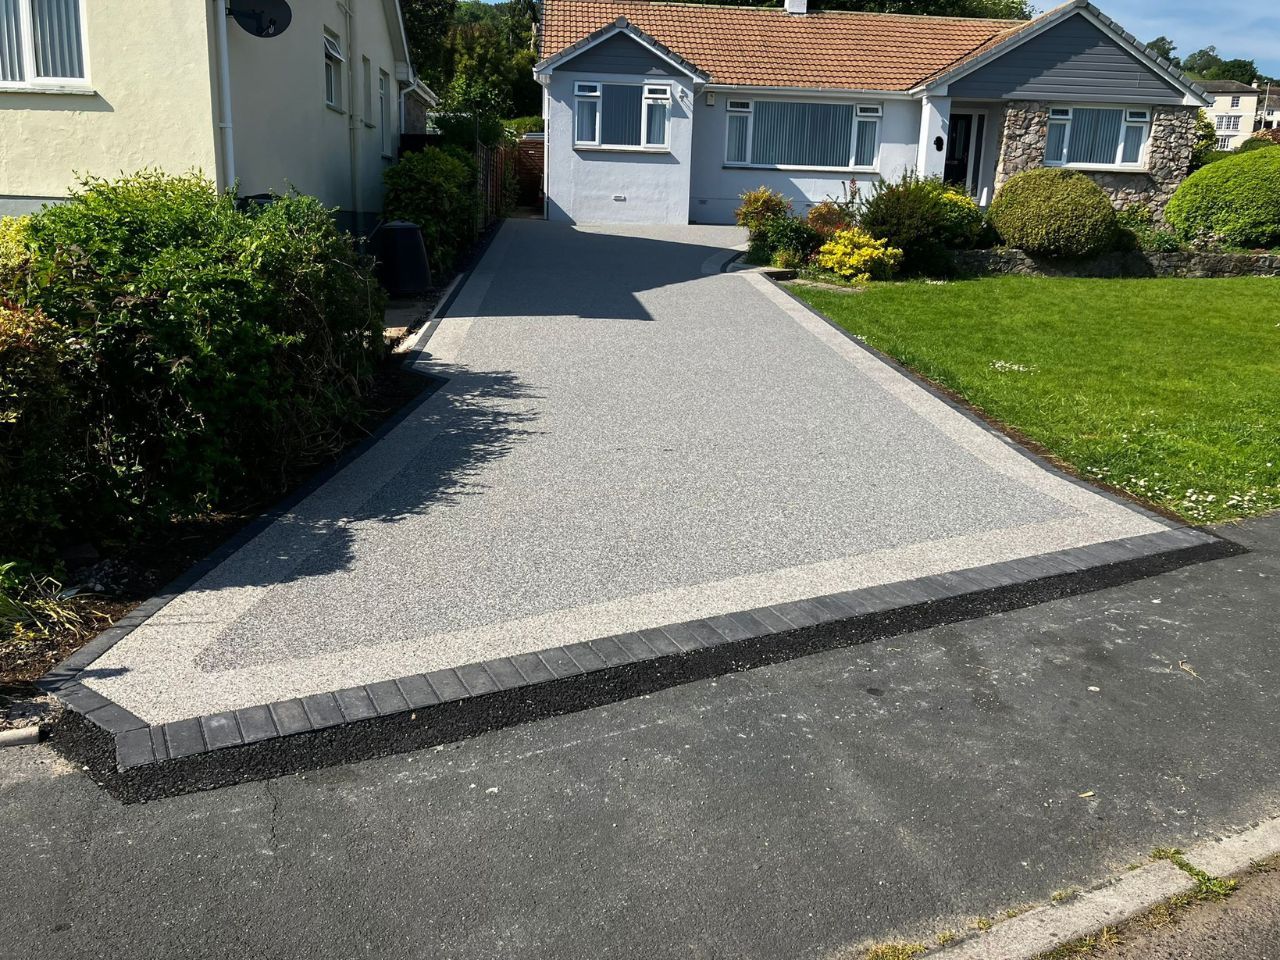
pixel 923 218
pixel 1206 149
pixel 1136 230
pixel 522 125
pixel 436 189
pixel 15 258
pixel 1255 143
pixel 856 256
pixel 209 351
pixel 830 216
pixel 1054 212
pixel 37 450
pixel 790 235
pixel 1235 201
pixel 760 205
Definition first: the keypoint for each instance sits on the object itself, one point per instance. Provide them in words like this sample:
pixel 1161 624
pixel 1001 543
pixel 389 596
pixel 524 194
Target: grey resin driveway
pixel 627 438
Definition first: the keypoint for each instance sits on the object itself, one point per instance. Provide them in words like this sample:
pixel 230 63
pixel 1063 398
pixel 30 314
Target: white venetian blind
pixel 802 134
pixel 56 27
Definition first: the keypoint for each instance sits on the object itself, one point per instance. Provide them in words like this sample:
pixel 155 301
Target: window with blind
pixel 41 42
pixel 621 115
pixel 805 135
pixel 1097 136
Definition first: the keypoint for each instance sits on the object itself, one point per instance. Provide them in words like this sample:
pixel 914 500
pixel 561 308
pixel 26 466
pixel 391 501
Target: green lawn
pixel 1169 389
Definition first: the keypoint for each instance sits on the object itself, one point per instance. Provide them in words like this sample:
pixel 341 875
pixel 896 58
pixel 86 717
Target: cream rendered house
pixel 103 87
pixel 1234 111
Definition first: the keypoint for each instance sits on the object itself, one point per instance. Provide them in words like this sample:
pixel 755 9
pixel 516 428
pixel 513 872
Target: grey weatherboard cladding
pixel 1073 60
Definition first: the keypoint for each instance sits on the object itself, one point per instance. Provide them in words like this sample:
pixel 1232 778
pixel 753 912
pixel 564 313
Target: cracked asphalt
pixel 790 811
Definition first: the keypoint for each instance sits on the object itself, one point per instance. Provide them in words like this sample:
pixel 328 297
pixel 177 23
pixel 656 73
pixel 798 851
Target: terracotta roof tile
pixel 762 46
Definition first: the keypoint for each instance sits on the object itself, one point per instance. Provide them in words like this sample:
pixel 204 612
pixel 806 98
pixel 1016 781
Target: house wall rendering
pixel 144 101
pixel 288 136
pixel 611 182
pixel 315 108
pixel 1234 114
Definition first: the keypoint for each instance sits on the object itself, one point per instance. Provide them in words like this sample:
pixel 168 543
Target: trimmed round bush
pixel 1054 213
pixel 1235 201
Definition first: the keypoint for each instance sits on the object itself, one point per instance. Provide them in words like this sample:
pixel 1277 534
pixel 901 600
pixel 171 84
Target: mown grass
pixel 1168 389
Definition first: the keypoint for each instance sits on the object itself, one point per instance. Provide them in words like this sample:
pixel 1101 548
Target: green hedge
pixel 1053 212
pixel 204 354
pixel 1235 201
pixel 436 189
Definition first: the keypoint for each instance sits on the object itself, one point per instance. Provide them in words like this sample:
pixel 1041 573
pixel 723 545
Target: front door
pixel 964 151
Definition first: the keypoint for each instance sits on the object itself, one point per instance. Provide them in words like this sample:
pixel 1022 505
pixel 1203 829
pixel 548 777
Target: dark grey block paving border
pixel 136 761
pixel 139 762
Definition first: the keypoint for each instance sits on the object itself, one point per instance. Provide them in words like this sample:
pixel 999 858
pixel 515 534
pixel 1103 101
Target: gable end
pixel 1073 60
pixel 622 54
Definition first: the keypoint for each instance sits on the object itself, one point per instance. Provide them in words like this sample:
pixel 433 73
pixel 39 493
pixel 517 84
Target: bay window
pixel 807 135
pixel 41 42
pixel 622 115
pixel 1097 136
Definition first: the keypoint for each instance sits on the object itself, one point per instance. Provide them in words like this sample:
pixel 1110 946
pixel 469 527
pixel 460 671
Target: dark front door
pixel 964 150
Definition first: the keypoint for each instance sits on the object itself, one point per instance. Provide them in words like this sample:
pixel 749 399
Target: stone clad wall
pixel 1133 263
pixel 1173 137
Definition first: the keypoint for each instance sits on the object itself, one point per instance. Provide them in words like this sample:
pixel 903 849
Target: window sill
pixel 369 126
pixel 1098 167
pixel 55 88
pixel 339 110
pixel 593 148
pixel 789 169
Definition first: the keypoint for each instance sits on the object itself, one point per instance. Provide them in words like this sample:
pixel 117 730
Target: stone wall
pixel 1173 137
pixel 1135 263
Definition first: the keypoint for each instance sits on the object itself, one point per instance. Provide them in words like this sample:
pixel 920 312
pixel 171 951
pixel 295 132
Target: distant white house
pixel 667 112
pixel 1234 111
pixel 103 87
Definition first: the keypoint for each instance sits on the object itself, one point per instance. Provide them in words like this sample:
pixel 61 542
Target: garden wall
pixel 1136 263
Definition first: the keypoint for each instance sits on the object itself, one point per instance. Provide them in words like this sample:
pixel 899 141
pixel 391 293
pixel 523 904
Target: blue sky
pixel 1238 28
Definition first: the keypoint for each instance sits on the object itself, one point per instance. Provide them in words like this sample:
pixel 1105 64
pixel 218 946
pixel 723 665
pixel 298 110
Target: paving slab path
pixel 626 437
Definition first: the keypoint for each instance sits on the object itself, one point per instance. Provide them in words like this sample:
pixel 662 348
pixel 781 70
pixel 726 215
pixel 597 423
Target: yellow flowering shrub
pixel 856 256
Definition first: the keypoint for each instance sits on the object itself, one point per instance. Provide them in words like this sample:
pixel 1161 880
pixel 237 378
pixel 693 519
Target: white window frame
pixel 1228 122
pixel 30 81
pixel 592 91
pixel 384 113
pixel 863 112
pixel 333 63
pixel 1134 116
pixel 655 93
pixel 1224 143
pixel 1235 102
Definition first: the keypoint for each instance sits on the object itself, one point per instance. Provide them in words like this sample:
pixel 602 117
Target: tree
pixel 1162 46
pixel 1201 62
pixel 1242 71
pixel 427 24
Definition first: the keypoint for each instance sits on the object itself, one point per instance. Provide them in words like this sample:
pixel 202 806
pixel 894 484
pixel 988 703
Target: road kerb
pixel 1044 928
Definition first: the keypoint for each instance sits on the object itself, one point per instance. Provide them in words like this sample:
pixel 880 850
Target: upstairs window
pixel 41 42
pixel 1228 122
pixel 333 61
pixel 622 115
pixel 1235 103
pixel 814 136
pixel 1097 136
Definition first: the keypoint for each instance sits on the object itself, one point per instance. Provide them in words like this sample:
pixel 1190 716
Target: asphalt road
pixel 784 812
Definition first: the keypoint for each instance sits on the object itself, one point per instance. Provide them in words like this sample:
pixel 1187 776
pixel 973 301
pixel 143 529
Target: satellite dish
pixel 262 18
